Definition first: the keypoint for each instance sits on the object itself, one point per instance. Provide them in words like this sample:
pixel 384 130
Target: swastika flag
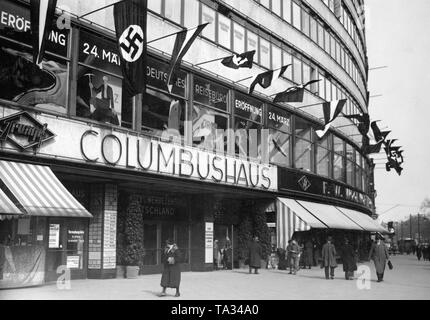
pixel 130 27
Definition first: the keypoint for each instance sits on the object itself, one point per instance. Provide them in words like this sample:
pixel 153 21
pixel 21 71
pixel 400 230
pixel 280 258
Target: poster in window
pixel 99 96
pixel 23 82
pixel 54 236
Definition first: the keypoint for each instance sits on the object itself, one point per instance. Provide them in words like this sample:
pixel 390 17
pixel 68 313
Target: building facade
pixel 134 179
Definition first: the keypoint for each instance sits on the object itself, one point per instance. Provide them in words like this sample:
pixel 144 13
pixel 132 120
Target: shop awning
pixel 363 220
pixel 8 209
pixel 331 216
pixel 292 217
pixel 39 191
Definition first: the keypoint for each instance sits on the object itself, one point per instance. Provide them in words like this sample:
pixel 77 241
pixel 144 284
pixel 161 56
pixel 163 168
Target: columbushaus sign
pixel 147 155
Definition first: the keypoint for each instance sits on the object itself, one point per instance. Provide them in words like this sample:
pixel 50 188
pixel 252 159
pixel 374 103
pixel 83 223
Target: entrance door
pixel 223 235
pixel 67 247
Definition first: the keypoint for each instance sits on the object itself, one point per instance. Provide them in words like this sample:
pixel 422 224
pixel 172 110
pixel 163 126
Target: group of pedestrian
pixel 423 251
pixel 222 255
pixel 171 276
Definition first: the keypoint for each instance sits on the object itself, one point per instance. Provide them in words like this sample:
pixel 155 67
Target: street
pixel 410 279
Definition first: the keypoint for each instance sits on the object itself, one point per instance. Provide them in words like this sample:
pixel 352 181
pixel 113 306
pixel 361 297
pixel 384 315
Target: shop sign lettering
pixel 143 154
pixel 24 132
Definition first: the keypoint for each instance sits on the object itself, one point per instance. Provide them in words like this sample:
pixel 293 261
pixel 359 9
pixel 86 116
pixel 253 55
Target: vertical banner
pixel 130 26
pixel 209 242
pixel 42 14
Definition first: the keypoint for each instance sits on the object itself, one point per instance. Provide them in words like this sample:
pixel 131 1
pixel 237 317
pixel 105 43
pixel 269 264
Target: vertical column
pixel 102 231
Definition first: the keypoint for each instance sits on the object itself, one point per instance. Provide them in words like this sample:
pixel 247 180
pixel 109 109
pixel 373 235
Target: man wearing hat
pixel 379 254
pixel 329 258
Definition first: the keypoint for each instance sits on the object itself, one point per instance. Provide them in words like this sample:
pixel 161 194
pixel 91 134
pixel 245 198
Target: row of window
pixel 348 22
pixel 291 12
pixel 234 36
pixel 194 113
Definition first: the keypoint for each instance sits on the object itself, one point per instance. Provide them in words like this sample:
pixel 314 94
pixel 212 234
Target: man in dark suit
pixel 329 258
pixel 105 107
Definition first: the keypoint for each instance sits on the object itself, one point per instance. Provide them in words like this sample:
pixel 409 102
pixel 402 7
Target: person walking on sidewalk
pixel 171 277
pixel 348 259
pixel 255 253
pixel 294 251
pixel 419 252
pixel 329 258
pixel 379 254
pixel 309 254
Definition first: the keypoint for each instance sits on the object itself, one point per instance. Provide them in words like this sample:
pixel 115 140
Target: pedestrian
pixel 294 251
pixel 419 252
pixel 317 253
pixel 171 277
pixel 216 253
pixel 348 256
pixel 379 254
pixel 426 253
pixel 309 254
pixel 329 258
pixel 283 263
pixel 255 253
pixel 226 257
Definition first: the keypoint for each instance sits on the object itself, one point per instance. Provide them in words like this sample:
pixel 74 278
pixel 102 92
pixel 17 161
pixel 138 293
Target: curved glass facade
pixel 291 139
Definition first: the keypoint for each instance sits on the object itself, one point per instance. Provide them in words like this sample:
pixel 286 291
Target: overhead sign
pixel 15 23
pixel 248 108
pixel 295 181
pixel 210 93
pixel 24 132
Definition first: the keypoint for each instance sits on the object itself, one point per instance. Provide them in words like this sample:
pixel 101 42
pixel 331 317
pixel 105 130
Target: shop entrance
pixel 67 247
pixel 155 235
pixel 223 250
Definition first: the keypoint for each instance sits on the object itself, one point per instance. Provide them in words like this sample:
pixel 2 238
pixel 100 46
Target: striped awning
pixel 7 207
pixel 290 219
pixel 363 220
pixel 331 216
pixel 39 191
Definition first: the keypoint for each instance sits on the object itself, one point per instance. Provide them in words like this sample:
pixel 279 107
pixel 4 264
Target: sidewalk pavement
pixel 410 279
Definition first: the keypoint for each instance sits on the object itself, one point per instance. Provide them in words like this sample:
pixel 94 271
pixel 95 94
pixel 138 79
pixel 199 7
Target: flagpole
pixel 253 76
pixel 172 34
pixel 209 61
pixel 99 9
pixel 243 79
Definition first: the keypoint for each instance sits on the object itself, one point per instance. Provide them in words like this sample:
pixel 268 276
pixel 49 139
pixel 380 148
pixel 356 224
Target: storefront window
pixel 323 155
pixel 20 80
pixel 279 122
pixel 209 115
pixel 303 145
pixel 163 113
pixel 350 166
pixel 99 93
pixel 248 117
pixel 338 162
pixel 206 122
